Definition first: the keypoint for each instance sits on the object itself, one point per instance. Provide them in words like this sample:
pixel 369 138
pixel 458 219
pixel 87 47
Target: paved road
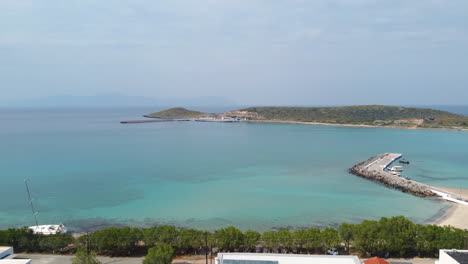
pixel 56 259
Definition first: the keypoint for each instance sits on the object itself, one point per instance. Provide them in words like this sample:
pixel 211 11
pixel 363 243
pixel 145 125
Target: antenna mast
pixel 31 203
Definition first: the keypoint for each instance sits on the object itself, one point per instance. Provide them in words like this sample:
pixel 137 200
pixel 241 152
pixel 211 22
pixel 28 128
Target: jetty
pixel 159 119
pixel 152 121
pixel 374 169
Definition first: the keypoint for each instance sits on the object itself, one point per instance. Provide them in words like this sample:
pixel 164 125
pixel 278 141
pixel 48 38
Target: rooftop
pixel 15 261
pixel 5 251
pixel 6 254
pixel 461 256
pixel 263 258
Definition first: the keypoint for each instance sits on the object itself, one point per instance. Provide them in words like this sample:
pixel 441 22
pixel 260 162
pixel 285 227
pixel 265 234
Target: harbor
pixel 376 169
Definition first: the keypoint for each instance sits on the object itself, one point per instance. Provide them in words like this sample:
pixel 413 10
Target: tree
pixel 312 238
pixel 54 243
pixel 397 236
pixel 366 237
pixel 300 239
pixel 285 240
pixel 251 239
pixel 346 233
pixel 160 234
pixel 116 241
pixel 22 239
pixel 228 238
pixel 159 254
pixel 330 238
pixel 190 239
pixel 270 240
pixel 84 257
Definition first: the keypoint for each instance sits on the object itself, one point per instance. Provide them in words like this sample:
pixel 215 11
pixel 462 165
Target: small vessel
pixel 404 161
pixel 396 169
pixel 49 229
pixel 43 229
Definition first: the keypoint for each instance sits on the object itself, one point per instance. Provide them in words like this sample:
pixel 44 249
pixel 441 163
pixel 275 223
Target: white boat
pixel 49 229
pixel 43 229
pixel 396 169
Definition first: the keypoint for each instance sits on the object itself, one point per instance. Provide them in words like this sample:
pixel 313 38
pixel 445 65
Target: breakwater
pixel 152 121
pixel 158 120
pixel 374 169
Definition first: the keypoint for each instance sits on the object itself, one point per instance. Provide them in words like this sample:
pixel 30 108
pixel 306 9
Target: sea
pixel 88 171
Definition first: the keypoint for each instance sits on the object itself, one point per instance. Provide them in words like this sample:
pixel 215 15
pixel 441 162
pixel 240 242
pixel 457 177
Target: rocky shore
pixel 374 169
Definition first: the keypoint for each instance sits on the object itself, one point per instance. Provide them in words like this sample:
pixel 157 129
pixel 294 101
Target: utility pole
pixel 87 242
pixel 206 247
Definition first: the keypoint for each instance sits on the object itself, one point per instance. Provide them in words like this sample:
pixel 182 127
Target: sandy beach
pixel 457 215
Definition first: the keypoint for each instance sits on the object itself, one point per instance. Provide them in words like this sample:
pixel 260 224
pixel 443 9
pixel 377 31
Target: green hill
pixel 177 112
pixel 365 114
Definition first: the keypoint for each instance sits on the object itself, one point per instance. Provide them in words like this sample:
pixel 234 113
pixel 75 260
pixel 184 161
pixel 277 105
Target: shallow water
pixel 87 170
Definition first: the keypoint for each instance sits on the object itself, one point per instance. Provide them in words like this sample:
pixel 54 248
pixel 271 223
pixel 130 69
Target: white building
pixel 263 258
pixel 452 256
pixel 6 257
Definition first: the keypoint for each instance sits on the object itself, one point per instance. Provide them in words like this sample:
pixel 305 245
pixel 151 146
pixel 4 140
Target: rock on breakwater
pixel 374 169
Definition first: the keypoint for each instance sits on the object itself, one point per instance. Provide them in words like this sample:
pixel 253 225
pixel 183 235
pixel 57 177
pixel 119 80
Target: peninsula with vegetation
pixel 362 115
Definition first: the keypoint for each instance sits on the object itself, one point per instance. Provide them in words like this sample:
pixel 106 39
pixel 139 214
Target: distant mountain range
pixel 122 101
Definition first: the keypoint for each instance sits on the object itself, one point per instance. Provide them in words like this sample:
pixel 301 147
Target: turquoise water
pixel 88 171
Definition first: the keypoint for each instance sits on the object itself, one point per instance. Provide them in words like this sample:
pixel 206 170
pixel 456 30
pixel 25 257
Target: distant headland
pixel 361 116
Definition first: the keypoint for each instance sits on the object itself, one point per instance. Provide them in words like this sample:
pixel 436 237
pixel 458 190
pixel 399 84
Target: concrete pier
pixel 374 169
pixel 152 121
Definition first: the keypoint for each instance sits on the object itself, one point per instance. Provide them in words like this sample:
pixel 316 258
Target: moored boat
pixel 49 229
pixel 396 169
pixel 43 229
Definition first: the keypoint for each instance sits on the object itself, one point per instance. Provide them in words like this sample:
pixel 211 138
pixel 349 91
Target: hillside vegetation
pixel 177 112
pixel 366 114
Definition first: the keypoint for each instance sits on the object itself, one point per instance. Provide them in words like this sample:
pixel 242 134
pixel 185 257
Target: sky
pixel 251 52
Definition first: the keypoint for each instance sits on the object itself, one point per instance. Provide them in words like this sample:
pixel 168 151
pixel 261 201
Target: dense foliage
pixel 388 237
pixel 159 254
pixel 177 112
pixel 366 114
pixel 23 240
pixel 84 257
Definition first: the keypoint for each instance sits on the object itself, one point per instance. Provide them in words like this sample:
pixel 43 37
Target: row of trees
pixel 388 237
pixel 23 240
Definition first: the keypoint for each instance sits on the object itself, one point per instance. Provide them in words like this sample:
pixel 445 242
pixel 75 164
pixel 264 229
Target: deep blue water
pixel 87 170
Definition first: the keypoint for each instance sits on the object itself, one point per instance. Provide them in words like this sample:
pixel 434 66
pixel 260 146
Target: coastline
pixel 354 125
pixel 456 215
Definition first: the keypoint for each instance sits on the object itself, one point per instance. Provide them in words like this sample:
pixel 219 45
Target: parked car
pixel 332 251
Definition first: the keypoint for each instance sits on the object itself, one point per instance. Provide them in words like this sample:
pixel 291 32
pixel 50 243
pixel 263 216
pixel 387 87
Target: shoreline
pixel 456 215
pixel 355 125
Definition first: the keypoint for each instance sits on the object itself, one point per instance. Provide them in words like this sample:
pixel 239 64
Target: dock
pixel 374 169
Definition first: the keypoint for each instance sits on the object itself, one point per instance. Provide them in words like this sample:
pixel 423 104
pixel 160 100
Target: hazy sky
pixel 312 52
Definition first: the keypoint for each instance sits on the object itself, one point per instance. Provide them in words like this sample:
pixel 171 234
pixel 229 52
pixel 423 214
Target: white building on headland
pixel 452 256
pixel 264 258
pixel 6 257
